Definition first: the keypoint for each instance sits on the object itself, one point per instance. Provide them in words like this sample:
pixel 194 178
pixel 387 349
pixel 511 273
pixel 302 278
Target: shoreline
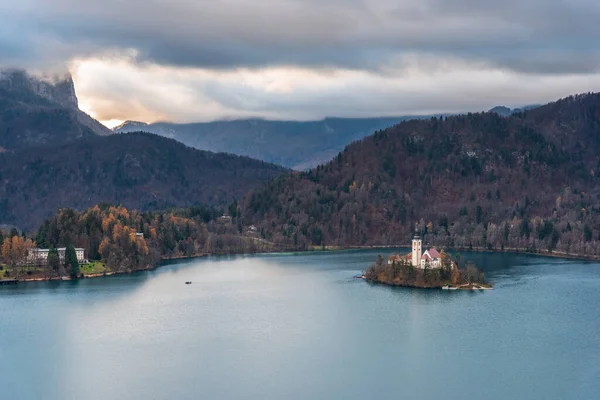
pixel 464 286
pixel 165 260
pixel 509 250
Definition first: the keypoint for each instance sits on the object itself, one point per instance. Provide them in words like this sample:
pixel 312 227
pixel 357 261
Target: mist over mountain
pixel 41 111
pixel 294 144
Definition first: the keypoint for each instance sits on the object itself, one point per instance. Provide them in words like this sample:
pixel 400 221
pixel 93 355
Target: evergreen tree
pixel 587 233
pixel 525 230
pixel 53 260
pixel 71 262
pixel 478 214
pixel 42 235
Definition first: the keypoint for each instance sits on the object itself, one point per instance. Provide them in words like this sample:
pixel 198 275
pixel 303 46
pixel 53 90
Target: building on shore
pixel 40 256
pixel 430 258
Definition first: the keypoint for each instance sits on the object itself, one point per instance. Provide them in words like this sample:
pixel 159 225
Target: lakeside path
pixel 316 249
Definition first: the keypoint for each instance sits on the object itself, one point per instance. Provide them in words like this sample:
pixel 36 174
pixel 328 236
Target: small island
pixel 430 269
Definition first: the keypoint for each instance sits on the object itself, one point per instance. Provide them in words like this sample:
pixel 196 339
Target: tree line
pixel 127 240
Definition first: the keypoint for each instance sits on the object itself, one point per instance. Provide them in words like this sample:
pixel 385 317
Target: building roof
pixel 58 249
pixel 433 253
pixel 398 257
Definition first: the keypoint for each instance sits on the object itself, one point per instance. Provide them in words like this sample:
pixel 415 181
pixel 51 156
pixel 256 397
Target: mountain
pixel 505 111
pixel 529 180
pixel 36 111
pixel 294 144
pixel 138 170
pixel 501 110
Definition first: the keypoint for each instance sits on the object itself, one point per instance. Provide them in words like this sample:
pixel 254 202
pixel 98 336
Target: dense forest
pixel 138 170
pixel 527 181
pixel 123 240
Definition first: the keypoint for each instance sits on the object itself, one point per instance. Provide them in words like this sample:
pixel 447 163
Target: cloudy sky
pixel 192 60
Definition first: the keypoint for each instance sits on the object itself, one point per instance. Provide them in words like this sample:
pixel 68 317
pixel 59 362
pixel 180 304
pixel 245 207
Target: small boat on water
pixel 449 287
pixel 188 282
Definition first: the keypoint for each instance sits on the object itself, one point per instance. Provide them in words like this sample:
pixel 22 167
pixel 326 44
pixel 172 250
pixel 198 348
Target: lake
pixel 299 326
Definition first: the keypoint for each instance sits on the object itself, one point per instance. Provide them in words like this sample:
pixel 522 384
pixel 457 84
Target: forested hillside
pixel 137 170
pixel 529 180
pixel 119 240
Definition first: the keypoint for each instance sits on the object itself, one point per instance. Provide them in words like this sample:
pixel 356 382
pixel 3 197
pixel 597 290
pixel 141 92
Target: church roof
pixel 433 253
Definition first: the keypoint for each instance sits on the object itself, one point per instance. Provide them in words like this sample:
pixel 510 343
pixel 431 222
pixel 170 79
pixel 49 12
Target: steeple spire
pixel 416 248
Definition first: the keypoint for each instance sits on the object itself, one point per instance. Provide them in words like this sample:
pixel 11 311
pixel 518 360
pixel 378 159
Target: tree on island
pixel 401 272
pixel 71 262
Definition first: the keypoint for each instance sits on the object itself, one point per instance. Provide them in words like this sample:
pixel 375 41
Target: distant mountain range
pixel 294 144
pixel 138 170
pixel 35 111
pixel 299 145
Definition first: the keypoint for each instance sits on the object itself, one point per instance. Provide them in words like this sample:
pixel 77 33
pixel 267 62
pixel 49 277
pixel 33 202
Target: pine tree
pixel 71 262
pixel 587 233
pixel 53 260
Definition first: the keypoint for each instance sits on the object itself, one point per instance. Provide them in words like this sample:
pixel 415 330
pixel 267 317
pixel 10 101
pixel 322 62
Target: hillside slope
pixel 294 144
pixel 138 170
pixel 37 112
pixel 530 179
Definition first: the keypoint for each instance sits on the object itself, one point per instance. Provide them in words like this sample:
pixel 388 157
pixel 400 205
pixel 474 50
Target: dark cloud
pixel 535 36
pixel 304 59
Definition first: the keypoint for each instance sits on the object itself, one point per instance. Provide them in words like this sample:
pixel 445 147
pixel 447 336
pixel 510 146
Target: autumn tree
pixel 6 250
pixel 18 250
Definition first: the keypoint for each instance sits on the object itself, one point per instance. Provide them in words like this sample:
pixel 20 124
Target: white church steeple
pixel 416 248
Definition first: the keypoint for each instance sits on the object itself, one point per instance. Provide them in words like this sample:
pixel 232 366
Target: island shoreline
pixel 332 249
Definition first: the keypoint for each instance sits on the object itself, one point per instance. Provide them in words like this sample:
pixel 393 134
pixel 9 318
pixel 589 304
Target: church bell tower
pixel 417 251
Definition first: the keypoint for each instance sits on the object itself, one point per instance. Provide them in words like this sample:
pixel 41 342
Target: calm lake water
pixel 298 326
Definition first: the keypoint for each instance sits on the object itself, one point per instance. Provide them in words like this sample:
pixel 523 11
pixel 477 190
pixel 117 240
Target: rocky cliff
pixel 40 111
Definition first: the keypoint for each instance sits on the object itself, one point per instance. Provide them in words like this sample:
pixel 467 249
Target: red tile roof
pixel 434 253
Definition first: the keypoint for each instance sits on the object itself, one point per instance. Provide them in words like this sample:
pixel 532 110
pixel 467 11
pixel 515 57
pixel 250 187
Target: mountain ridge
pixel 138 170
pixel 293 144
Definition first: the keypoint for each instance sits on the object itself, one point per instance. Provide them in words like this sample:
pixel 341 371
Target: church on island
pixel 430 258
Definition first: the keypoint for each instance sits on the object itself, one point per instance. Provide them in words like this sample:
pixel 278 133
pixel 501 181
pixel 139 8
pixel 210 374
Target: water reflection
pixel 299 326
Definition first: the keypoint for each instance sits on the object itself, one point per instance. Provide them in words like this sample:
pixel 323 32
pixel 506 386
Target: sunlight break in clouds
pixel 301 59
pixel 151 93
